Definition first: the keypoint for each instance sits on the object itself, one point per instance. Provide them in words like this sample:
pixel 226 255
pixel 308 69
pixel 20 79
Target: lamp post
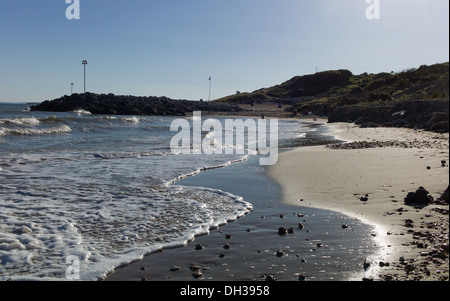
pixel 71 88
pixel 209 99
pixel 85 63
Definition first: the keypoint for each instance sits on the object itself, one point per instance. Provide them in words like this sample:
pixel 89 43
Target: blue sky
pixel 171 47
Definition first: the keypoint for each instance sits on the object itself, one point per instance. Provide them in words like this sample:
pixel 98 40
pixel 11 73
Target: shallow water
pixel 102 189
pixel 322 250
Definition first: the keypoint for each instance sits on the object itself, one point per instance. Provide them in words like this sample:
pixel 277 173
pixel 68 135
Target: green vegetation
pixel 341 86
pixel 342 96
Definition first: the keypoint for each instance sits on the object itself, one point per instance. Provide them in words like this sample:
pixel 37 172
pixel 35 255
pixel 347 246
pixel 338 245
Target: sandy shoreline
pixel 331 179
pixel 336 179
pixel 248 249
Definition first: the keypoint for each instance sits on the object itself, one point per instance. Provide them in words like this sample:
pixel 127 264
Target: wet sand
pixel 252 249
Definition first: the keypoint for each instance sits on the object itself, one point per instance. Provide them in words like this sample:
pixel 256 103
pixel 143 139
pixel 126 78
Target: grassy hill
pixel 367 99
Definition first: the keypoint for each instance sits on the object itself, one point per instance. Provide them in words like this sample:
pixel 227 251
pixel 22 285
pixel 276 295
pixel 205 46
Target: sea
pixel 82 194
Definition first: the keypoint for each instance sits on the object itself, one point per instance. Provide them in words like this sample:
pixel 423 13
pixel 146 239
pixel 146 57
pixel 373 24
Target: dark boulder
pixel 420 197
pixel 443 199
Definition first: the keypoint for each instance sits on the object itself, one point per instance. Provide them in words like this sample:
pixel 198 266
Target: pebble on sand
pixel 175 268
pixel 197 274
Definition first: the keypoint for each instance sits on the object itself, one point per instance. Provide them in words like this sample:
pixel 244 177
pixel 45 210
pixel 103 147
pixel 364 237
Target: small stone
pixel 221 255
pixel 227 246
pixel 282 215
pixel 228 236
pixel 319 245
pixel 199 247
pixel 389 277
pixel 302 277
pixel 409 268
pixel 291 230
pixel 282 231
pixel 194 267
pixel 175 268
pixel 197 274
pixel 280 253
pixel 409 223
pixel 300 215
pixel 143 268
pixel 301 226
pixel 344 226
pixel 366 264
pixel 270 278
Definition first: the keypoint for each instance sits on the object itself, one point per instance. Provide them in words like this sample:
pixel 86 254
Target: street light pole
pixel 71 88
pixel 85 63
pixel 209 99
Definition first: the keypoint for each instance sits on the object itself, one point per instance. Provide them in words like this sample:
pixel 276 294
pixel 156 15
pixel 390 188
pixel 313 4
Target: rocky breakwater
pixel 110 104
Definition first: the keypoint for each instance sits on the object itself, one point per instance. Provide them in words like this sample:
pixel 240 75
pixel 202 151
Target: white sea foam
pixel 21 121
pixel 104 230
pixel 130 155
pixel 130 119
pixel 34 131
pixel 82 112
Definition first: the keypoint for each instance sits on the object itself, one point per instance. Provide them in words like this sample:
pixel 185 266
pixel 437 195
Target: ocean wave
pixel 33 131
pixel 125 155
pixel 52 119
pixel 131 119
pixel 28 121
pixel 81 112
pixel 104 226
